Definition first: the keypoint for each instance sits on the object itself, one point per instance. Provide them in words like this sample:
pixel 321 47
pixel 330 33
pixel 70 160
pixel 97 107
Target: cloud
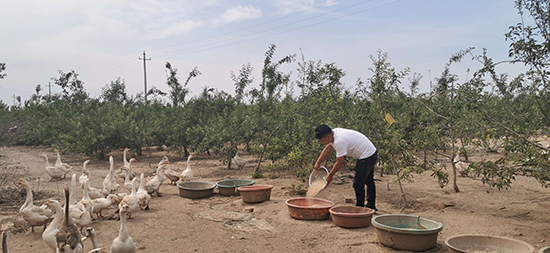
pixel 178 28
pixel 237 13
pixel 287 6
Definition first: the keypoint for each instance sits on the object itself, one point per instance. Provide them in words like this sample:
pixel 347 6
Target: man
pixel 354 144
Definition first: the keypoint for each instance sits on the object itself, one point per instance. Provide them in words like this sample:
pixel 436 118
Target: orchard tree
pixel 242 81
pixel 2 68
pixel 73 88
pixel 264 100
pixel 115 92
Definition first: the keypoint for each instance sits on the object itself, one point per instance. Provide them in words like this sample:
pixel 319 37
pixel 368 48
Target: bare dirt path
pixel 224 224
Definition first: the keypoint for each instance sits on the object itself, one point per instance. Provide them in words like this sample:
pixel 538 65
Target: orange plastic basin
pixel 255 193
pixel 351 216
pixel 309 208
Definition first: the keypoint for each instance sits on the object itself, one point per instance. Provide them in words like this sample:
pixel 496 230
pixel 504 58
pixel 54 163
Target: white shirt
pixel 351 143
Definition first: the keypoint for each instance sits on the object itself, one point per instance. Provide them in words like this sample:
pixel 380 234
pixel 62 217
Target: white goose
pixel 119 196
pixel 172 175
pixel 131 200
pixel 187 174
pixel 127 180
pixel 61 165
pixel 239 161
pixel 153 185
pixel 121 172
pixel 126 162
pixel 51 231
pixel 52 171
pixel 109 183
pixel 85 173
pixel 80 212
pixel 100 204
pixel 142 194
pixel 90 233
pixel 33 215
pixel 93 192
pixel 123 243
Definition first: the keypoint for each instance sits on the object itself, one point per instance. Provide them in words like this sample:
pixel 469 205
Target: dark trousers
pixel 364 175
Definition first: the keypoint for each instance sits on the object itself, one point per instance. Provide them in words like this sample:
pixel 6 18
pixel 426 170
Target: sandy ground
pixel 224 224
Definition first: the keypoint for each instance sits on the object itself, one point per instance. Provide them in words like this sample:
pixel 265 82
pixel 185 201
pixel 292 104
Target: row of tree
pixel 274 125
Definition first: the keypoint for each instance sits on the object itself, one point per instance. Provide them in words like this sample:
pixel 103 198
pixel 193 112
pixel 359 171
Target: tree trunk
pixel 405 203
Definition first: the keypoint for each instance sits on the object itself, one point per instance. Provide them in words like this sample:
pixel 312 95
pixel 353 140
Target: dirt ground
pixel 224 224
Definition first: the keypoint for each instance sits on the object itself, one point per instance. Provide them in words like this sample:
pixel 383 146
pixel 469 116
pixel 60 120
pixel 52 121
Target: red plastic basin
pixel 309 208
pixel 351 216
pixel 255 193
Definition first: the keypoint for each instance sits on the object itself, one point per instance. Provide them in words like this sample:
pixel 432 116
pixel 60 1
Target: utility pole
pixel 13 99
pixel 50 88
pixel 144 73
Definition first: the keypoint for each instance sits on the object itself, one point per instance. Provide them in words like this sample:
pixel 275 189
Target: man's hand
pixel 329 178
pixel 316 167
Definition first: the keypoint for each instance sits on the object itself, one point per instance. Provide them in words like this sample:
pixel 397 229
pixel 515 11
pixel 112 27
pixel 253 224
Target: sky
pixel 102 40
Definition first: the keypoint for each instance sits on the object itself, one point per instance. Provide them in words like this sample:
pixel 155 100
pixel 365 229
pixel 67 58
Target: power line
pixel 100 72
pixel 279 33
pixel 267 30
pixel 250 27
pixel 112 71
pixel 110 67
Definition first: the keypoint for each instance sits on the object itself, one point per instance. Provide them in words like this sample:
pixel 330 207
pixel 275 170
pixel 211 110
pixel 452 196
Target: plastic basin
pixel 196 190
pixel 309 208
pixel 487 243
pixel 545 250
pixel 229 187
pixel 255 193
pixel 406 232
pixel 351 216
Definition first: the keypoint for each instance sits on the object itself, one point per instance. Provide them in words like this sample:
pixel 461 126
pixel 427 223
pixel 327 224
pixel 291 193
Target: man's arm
pixel 323 156
pixel 336 168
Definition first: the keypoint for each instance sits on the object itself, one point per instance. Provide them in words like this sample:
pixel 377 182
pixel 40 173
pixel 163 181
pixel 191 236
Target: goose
pixel 127 180
pixel 68 237
pixel 86 201
pixel 93 192
pixel 187 174
pixel 100 204
pixel 72 199
pixel 90 233
pixel 126 162
pixel 118 196
pixel 52 171
pixel 121 172
pixel 123 243
pixel 80 212
pixel 131 201
pixel 61 165
pixel 85 173
pixel 170 174
pixel 5 242
pixel 153 185
pixel 239 160
pixel 142 194
pixel 109 183
pixel 33 215
pixel 49 234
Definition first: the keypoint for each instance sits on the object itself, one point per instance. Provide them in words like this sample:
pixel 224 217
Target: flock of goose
pixel 62 233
